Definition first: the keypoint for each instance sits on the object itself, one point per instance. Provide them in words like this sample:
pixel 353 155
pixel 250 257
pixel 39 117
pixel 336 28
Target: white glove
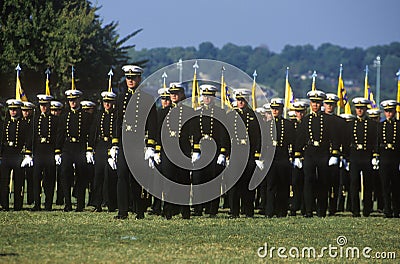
pixel 151 163
pixel 57 158
pixel 344 164
pixel 221 160
pixel 27 161
pixel 260 164
pixel 195 157
pixel 333 161
pixel 375 163
pixel 149 153
pixel 157 158
pixel 114 152
pixel 298 163
pixel 112 163
pixel 89 157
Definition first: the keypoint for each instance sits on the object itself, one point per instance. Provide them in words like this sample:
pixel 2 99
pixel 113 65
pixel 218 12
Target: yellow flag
pixel 223 92
pixel 342 94
pixel 289 97
pixel 347 109
pixel 47 72
pixel 47 87
pixel 366 85
pixel 73 87
pixel 19 92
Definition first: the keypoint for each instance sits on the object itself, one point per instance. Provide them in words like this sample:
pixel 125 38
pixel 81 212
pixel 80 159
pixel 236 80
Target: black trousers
pixel 11 161
pixel 277 187
pixel 178 175
pixel 204 175
pixel 297 188
pixel 360 161
pixel 74 153
pixel 59 190
pixel 129 192
pixel 105 179
pixel 333 188
pixel 316 175
pixel 44 171
pixel 90 172
pixel 28 175
pixel 241 191
pixel 344 191
pixel 390 180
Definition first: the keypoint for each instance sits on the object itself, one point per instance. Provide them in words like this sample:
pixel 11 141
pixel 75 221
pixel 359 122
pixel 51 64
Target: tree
pixel 57 34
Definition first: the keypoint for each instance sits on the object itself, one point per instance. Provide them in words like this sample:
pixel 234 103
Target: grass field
pixel 58 237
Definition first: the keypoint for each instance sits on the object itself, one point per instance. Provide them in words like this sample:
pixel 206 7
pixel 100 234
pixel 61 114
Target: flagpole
pixel 340 93
pixel 223 92
pixel 194 86
pixel 398 95
pixel 377 63
pixel 314 76
pixel 18 84
pixel 47 72
pixel 164 76
pixel 366 92
pixel 286 92
pixel 253 91
pixel 73 78
pixel 110 74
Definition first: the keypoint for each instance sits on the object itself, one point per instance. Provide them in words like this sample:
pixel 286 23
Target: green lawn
pixel 58 237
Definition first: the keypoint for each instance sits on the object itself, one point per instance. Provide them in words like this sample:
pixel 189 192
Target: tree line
pixel 302 61
pixel 58 34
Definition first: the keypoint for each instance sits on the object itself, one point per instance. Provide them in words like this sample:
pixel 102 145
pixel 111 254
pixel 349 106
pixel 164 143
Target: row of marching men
pixel 321 158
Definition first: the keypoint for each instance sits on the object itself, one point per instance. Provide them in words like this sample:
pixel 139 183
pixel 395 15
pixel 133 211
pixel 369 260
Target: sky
pixel 270 23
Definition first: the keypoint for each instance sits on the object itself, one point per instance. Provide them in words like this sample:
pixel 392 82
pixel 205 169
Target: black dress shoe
pixel 67 208
pixel 120 217
pixel 197 214
pixel 292 213
pixel 97 210
pixel 79 209
pixel 48 208
pixel 212 216
pixel 35 209
pixel 308 215
pixel 356 215
pixel 388 216
pixel 168 217
pixel 139 216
